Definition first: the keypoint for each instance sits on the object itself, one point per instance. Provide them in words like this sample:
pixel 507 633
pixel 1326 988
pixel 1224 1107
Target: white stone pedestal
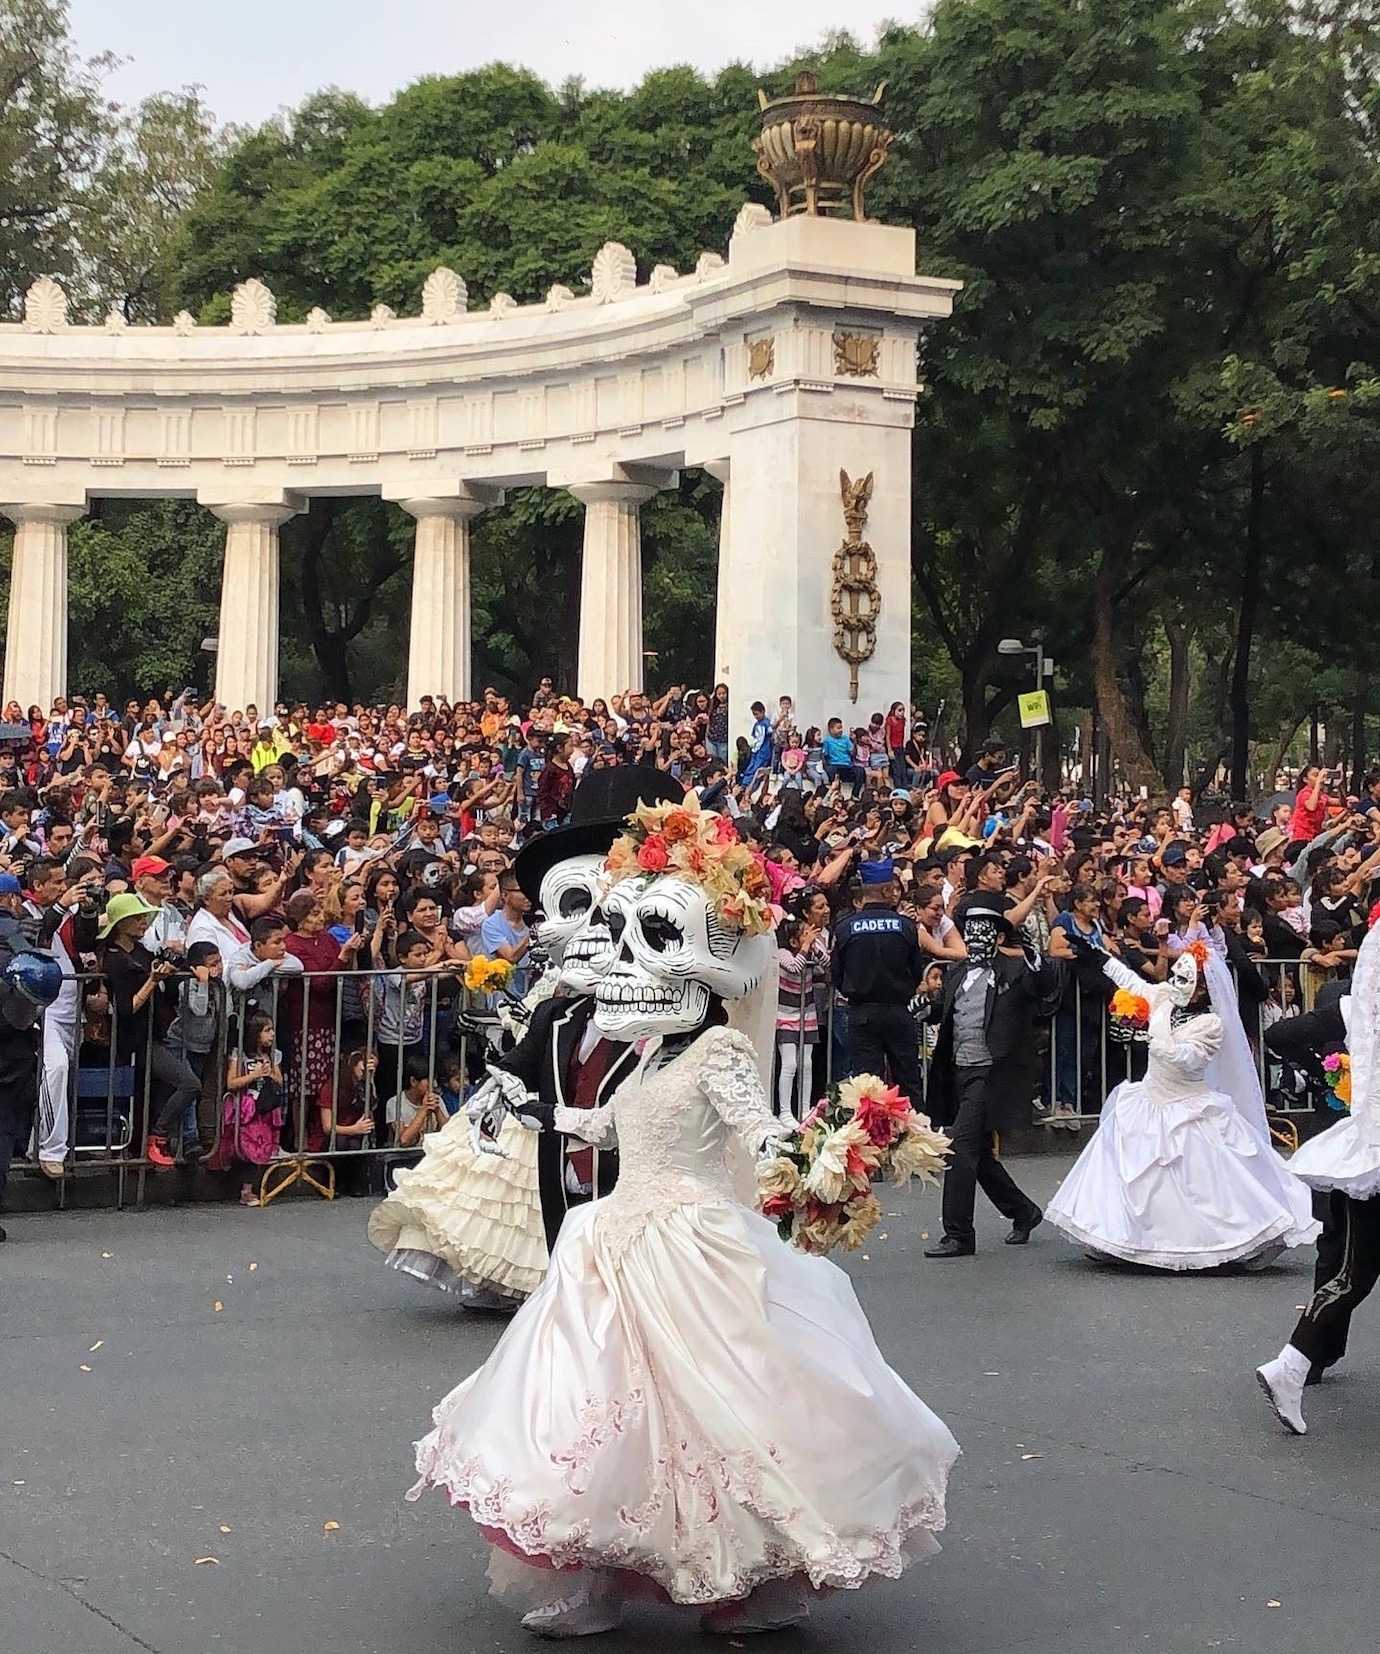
pixel 785 522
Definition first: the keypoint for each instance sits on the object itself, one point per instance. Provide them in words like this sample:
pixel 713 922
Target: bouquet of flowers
pixel 1128 1016
pixel 1337 1067
pixel 817 1187
pixel 486 976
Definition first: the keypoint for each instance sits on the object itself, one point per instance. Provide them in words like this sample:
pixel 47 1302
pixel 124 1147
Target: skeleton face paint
pixel 980 937
pixel 670 953
pixel 574 929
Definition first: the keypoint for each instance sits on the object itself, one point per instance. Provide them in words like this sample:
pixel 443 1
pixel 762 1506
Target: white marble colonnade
pixel 774 369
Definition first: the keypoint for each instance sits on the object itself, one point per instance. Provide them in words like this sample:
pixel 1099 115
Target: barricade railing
pixel 1085 1055
pixel 365 1029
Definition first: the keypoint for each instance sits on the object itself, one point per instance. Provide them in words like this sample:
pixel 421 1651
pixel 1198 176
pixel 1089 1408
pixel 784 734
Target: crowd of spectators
pixel 266 919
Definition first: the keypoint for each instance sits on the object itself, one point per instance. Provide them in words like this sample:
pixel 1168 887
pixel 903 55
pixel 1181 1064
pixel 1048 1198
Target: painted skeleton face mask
pixel 574 928
pixel 1183 980
pixel 670 953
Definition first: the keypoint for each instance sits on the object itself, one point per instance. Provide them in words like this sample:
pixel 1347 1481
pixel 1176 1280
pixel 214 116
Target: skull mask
pixel 1183 980
pixel 671 952
pixel 574 929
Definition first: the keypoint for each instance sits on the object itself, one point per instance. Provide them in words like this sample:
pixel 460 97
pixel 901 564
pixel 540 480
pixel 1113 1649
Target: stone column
pixel 36 637
pixel 247 650
pixel 720 469
pixel 438 656
pixel 611 587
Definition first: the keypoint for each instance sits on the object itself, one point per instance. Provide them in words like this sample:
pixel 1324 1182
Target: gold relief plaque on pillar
pixel 857 354
pixel 855 602
pixel 761 357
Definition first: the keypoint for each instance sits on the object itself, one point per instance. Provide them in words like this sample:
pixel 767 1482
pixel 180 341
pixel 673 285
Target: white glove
pixel 500 1094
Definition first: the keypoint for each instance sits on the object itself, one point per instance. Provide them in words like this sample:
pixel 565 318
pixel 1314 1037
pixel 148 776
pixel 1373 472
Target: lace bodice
pixel 679 1128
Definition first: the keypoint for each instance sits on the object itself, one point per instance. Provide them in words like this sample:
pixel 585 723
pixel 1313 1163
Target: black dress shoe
pixel 949 1248
pixel 1021 1232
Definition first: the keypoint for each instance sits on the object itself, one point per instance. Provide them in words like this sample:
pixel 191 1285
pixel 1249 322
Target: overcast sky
pixel 256 56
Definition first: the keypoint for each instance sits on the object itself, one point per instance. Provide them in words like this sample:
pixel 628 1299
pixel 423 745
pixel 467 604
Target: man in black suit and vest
pixel 562 1058
pixel 985 1068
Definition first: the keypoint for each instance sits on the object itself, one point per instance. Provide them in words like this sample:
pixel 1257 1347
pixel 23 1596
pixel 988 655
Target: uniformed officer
pixel 878 963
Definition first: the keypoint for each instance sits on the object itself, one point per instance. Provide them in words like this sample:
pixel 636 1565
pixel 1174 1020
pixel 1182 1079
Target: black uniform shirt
pixel 877 958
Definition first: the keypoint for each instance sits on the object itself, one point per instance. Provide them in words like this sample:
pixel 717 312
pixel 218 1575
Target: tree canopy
pixel 1145 436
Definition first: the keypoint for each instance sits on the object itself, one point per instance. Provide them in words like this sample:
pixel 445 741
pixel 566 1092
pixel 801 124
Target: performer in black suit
pixel 563 1061
pixel 985 1068
pixel 1342 1164
pixel 482 1225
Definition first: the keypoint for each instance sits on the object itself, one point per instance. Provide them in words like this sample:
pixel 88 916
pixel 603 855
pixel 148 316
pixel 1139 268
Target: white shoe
pixel 1284 1392
pixel 774 1606
pixel 586 1614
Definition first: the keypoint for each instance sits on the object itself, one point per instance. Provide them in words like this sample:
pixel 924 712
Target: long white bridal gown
pixel 1180 1173
pixel 684 1397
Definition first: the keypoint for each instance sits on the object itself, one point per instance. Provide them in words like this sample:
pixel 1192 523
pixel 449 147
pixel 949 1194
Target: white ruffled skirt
pixel 1178 1183
pixel 689 1400
pixel 458 1217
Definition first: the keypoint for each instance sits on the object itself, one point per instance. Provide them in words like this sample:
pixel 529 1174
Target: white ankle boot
pixel 773 1606
pixel 593 1608
pixel 1282 1380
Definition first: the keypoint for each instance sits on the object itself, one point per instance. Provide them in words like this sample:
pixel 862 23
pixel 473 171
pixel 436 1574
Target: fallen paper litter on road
pixel 1032 1455
pixel 226 1528
pixel 330 1527
pixel 202 1561
pixel 218 1306
pixel 85 1368
pixel 96 1346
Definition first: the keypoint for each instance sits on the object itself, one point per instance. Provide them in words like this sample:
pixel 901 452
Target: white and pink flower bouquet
pixel 817 1185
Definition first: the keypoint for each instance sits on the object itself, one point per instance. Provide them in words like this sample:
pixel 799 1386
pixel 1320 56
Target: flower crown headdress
pixel 702 847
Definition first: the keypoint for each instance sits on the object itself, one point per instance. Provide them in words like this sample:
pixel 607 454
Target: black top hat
pixel 978 904
pixel 601 803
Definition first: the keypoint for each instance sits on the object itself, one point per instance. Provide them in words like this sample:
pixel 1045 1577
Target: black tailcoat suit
pixel 547 1061
pixel 973 1102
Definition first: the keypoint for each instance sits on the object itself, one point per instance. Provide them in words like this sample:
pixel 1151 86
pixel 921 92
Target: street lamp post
pixel 1044 668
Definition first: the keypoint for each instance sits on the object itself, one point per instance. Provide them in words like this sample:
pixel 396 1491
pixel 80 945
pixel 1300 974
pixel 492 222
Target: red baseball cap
pixel 144 866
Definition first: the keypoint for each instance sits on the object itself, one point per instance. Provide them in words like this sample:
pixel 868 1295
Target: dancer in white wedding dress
pixel 685 1400
pixel 1181 1173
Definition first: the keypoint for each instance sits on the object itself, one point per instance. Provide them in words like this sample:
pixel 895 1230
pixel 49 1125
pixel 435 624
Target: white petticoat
pixel 1179 1183
pixel 480 1214
pixel 698 1404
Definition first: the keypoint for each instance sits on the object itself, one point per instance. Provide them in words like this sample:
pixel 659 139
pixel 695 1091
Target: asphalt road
pixel 259 1375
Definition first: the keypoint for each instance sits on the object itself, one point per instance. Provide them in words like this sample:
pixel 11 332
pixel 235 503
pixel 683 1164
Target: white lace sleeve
pixel 1189 1048
pixel 730 1079
pixel 590 1125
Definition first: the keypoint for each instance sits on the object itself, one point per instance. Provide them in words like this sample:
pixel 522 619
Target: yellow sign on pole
pixel 1034 708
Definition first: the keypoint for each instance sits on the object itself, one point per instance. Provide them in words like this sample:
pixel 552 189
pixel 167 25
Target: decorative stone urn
pixel 818 150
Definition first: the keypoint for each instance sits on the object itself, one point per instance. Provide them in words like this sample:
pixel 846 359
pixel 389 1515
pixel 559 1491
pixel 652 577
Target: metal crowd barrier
pixel 1083 1058
pixel 112 1103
